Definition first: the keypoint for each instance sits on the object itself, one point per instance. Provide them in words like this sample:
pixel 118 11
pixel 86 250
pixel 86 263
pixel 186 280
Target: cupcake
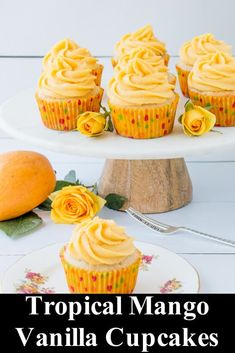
pixel 100 258
pixel 211 83
pixel 194 49
pixel 146 54
pixel 65 90
pixel 142 101
pixel 144 38
pixel 69 49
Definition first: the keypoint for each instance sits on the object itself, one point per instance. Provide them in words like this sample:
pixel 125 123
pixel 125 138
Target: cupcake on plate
pixel 144 38
pixel 67 48
pixel 211 84
pixel 142 101
pixel 148 55
pixel 65 90
pixel 193 50
pixel 100 258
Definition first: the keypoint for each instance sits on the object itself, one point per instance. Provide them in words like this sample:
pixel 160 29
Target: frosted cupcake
pixel 100 258
pixel 144 38
pixel 193 50
pixel 148 55
pixel 64 91
pixel 142 101
pixel 211 83
pixel 67 48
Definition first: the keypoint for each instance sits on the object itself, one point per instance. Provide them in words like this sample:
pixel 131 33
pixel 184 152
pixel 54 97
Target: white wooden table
pixel 212 209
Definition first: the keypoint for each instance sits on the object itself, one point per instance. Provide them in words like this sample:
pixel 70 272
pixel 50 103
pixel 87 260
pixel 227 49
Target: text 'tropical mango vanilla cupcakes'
pixel 211 84
pixel 100 258
pixel 67 48
pixel 142 101
pixel 148 55
pixel 193 50
pixel 64 91
pixel 144 38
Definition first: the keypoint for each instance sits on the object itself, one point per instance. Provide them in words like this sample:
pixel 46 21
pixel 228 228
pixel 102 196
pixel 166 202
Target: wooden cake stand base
pixel 150 186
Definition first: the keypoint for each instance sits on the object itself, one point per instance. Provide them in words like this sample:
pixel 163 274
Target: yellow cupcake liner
pixel 82 281
pixel 61 114
pixel 144 123
pixel 183 80
pixel 223 106
pixel 98 73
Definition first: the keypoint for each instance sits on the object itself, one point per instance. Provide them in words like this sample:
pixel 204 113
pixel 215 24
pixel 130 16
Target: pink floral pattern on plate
pixel 147 261
pixel 32 283
pixel 171 286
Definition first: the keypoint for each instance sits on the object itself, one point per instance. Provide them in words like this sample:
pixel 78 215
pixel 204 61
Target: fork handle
pixel 209 236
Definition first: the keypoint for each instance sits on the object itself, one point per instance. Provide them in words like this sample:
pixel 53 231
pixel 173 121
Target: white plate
pixel 20 118
pixel 161 271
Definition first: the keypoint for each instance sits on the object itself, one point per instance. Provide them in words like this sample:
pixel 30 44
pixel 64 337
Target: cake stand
pixel 151 174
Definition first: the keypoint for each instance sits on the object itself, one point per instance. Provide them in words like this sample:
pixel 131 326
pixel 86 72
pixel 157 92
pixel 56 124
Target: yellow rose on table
pixel 74 204
pixel 91 124
pixel 196 120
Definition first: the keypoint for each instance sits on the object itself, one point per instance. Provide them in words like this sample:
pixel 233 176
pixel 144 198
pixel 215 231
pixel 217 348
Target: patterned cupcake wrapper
pixel 183 80
pixel 144 123
pixel 62 114
pixel 222 106
pixel 98 73
pixel 82 281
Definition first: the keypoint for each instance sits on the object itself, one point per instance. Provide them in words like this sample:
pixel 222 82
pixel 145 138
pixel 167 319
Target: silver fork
pixel 167 229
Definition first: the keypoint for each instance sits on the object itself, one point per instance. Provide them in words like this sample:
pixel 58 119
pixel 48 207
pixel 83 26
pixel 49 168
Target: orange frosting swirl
pixel 66 79
pixel 100 242
pixel 143 37
pixel 139 83
pixel 68 49
pixel 201 45
pixel 213 73
pixel 146 54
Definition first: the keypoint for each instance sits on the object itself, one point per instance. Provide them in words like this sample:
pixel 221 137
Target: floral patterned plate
pixel 161 271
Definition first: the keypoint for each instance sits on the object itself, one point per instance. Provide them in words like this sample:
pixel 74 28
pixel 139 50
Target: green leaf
pixel 188 106
pixel 109 124
pixel 71 176
pixel 62 183
pixel 115 201
pixel 180 118
pixel 21 225
pixel 46 205
pixel 208 106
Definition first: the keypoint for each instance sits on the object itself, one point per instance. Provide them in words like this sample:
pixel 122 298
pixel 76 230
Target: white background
pixel 30 28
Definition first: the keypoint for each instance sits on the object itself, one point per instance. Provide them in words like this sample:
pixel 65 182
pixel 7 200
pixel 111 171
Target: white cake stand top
pixel 19 117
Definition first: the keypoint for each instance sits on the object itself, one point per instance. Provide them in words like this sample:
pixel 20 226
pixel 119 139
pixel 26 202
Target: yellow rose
pixel 196 120
pixel 91 124
pixel 74 204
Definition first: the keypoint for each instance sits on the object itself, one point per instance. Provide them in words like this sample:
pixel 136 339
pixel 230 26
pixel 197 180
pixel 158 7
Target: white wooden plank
pixel 31 27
